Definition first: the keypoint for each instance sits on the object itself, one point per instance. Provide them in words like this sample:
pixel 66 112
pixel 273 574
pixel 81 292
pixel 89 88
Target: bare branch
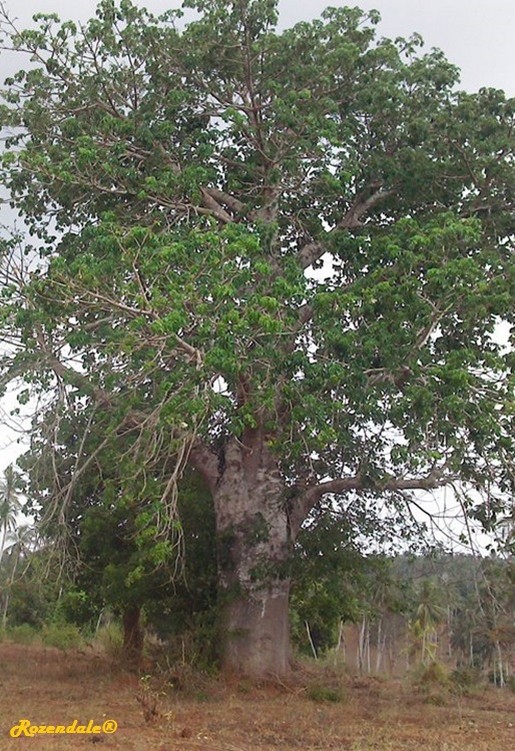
pixel 215 208
pixel 437 478
pixel 353 219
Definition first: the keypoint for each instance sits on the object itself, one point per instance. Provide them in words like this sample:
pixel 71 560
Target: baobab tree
pixel 275 257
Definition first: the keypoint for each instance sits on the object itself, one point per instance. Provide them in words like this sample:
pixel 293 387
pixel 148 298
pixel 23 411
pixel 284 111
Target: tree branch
pixel 352 219
pixel 225 198
pixel 70 375
pixel 437 478
pixel 217 210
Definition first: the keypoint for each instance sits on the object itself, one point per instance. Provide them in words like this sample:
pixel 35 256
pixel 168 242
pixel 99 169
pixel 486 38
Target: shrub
pixel 321 693
pixel 61 635
pixel 22 634
pixel 466 677
pixel 433 674
pixel 195 645
pixel 110 640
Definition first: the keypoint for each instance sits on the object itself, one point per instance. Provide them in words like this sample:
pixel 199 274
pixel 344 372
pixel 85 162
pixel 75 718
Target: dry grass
pixel 47 686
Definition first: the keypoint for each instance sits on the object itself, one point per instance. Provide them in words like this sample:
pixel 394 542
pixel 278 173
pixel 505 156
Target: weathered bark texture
pixel 132 635
pixel 254 545
pixel 257 633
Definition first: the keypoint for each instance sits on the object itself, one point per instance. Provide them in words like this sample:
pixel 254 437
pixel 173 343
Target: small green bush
pixel 466 677
pixel 61 635
pixel 110 640
pixel 320 693
pixel 23 634
pixel 433 674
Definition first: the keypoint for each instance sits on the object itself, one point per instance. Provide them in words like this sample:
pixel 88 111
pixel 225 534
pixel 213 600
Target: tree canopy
pixel 278 257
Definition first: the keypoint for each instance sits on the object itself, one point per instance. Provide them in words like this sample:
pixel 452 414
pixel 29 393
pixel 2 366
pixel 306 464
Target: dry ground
pixel 48 686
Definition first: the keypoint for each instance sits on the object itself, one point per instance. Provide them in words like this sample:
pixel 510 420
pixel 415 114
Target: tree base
pixel 257 638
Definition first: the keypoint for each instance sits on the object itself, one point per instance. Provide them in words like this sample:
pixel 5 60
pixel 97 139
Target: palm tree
pixel 429 613
pixel 10 507
pixel 385 597
pixel 21 541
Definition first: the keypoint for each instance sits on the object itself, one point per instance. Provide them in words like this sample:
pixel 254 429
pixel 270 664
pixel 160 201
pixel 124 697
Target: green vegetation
pixel 324 694
pixel 447 620
pixel 274 260
pixel 63 635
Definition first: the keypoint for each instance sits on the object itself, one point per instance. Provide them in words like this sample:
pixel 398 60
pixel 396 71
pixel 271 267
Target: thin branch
pixel 70 375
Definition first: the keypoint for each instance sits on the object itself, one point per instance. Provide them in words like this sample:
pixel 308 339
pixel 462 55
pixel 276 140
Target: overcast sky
pixel 477 35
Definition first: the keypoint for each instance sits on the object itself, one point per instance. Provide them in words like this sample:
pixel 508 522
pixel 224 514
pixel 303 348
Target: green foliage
pixel 75 607
pixel 62 635
pixel 33 592
pixel 466 678
pixel 22 634
pixel 320 693
pixel 110 638
pixel 189 607
pixel 127 166
pixel 192 645
pixel 29 603
pixel 335 581
pixel 299 239
pixel 324 583
pixel 431 675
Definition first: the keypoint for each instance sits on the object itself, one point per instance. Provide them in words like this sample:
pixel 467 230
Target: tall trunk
pixel 340 651
pixel 5 609
pixel 369 667
pixel 500 663
pixel 256 633
pixel 311 642
pixel 10 584
pixel 254 544
pixel 362 645
pixel 380 645
pixel 132 635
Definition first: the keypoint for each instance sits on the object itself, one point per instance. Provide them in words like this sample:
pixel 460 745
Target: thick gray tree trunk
pixel 254 546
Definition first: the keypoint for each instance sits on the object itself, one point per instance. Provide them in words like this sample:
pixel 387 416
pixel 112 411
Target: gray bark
pixel 254 545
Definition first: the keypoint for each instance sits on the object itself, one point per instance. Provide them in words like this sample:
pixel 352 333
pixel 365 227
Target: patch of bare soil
pixel 46 687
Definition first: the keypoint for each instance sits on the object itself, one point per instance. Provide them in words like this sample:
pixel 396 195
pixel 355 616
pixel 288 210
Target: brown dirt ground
pixel 51 687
